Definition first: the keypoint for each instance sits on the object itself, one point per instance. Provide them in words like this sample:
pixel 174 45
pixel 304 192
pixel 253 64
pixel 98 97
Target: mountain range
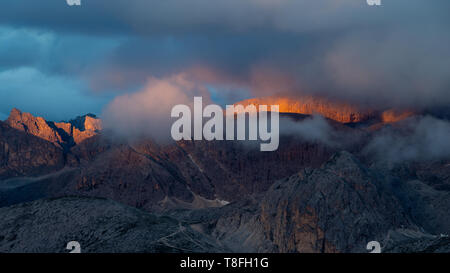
pixel 63 181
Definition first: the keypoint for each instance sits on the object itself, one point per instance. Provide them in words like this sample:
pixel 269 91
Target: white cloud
pixel 146 113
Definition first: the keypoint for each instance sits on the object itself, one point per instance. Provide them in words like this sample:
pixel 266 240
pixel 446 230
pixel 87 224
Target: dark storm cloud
pixel 51 96
pixel 394 55
pixel 177 16
pixel 46 74
pixel 51 52
pixel 153 16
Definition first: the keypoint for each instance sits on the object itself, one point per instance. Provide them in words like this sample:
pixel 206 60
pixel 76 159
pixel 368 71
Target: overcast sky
pixel 59 61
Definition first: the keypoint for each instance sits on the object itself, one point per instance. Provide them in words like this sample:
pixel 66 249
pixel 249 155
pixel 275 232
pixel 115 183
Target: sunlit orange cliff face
pixel 390 116
pixel 75 131
pixel 338 111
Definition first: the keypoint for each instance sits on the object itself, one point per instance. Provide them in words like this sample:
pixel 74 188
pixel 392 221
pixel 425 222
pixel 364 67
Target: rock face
pixel 32 146
pixel 154 177
pixel 340 112
pixel 64 134
pixel 23 154
pixel 85 127
pixel 36 126
pixel 339 207
pixel 390 116
pixel 407 241
pixel 304 197
pixel 98 225
pixel 307 105
pixel 235 171
pixel 427 206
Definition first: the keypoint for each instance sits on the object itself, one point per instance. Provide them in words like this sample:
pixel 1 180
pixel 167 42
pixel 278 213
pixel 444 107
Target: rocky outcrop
pixel 36 126
pixel 427 206
pixel 23 154
pixel 236 170
pixel 64 134
pixel 339 207
pixel 99 225
pixel 408 241
pixel 85 127
pixel 423 189
pixel 157 178
pixel 304 197
pixel 32 146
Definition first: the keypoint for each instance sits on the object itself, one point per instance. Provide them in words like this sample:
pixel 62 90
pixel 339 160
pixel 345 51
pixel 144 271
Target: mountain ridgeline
pixel 221 196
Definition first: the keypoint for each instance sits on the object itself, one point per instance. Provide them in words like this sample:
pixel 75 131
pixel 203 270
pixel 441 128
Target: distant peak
pixel 15 113
pixel 87 122
pixel 60 133
pixel 15 110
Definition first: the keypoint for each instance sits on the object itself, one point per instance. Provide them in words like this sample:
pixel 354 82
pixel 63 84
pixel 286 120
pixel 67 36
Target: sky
pixel 60 61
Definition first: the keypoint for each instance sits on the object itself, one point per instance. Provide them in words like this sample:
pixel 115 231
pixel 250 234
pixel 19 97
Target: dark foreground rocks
pixel 99 225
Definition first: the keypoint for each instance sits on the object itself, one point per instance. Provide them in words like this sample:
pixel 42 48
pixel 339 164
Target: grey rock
pixel 339 207
pixel 99 225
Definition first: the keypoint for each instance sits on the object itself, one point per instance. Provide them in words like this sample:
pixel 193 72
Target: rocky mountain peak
pixel 15 113
pixel 64 134
pixel 87 122
pixel 37 126
pixel 344 160
pixel 304 212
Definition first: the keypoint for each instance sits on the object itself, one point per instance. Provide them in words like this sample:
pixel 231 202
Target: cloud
pixel 416 139
pixel 390 57
pixel 51 52
pixel 394 56
pixel 147 113
pixel 420 139
pixel 200 16
pixel 402 67
pixel 174 16
pixel 48 74
pixel 312 129
pixel 52 97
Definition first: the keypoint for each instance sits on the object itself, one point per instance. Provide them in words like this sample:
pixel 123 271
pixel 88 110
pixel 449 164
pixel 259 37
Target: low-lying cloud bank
pixel 421 139
pixel 418 138
pixel 311 129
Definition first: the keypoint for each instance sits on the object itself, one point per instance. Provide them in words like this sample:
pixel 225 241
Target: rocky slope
pixel 156 177
pixel 98 225
pixel 305 197
pixel 408 241
pixel 177 174
pixel 339 207
pixel 32 146
pixel 23 154
pixel 64 134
